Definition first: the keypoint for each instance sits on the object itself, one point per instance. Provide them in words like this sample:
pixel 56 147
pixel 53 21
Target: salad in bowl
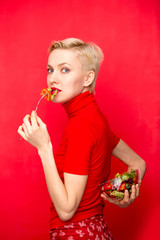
pixel 116 187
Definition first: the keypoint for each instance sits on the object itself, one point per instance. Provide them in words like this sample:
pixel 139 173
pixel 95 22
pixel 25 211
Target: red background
pixel 127 91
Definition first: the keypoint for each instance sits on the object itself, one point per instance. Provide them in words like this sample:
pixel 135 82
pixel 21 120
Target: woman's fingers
pixel 21 132
pixel 30 123
pixel 27 124
pixel 126 196
pixel 104 196
pixel 34 120
pixel 34 130
pixel 133 194
pixel 137 189
pixel 109 199
pixel 127 200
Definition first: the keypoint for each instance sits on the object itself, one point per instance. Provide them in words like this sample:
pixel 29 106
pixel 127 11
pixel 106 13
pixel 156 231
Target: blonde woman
pixel 82 162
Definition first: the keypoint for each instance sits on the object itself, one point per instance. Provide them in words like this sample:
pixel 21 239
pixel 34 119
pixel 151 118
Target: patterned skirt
pixel 89 229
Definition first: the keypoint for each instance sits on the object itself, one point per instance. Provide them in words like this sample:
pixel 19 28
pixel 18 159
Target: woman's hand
pixel 127 200
pixel 34 131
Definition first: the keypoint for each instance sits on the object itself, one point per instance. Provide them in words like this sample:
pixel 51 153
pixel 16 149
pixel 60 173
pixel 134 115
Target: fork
pixel 37 106
pixel 39 102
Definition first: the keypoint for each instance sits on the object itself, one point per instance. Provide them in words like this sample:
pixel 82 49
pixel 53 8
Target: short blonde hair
pixel 90 55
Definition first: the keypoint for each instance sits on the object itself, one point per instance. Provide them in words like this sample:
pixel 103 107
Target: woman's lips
pixel 55 89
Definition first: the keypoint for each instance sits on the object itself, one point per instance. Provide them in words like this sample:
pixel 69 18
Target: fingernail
pixel 133 187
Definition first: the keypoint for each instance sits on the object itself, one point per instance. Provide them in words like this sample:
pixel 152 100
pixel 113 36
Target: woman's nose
pixel 53 78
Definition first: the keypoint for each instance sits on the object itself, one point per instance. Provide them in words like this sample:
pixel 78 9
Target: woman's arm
pixel 65 196
pixel 123 152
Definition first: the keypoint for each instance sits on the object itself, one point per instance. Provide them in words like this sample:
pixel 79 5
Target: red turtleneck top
pixel 85 149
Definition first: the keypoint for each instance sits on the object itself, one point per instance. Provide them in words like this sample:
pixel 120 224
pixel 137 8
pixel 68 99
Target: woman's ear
pixel 89 78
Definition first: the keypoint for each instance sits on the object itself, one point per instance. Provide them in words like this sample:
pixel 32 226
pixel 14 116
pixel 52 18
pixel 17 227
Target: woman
pixel 82 162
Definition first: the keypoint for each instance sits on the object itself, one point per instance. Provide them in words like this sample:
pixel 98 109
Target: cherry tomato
pixel 122 187
pixel 107 187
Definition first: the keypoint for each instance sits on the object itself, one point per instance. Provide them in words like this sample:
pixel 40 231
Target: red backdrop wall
pixel 127 91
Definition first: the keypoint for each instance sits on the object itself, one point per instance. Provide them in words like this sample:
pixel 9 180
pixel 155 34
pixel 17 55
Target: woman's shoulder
pixel 78 124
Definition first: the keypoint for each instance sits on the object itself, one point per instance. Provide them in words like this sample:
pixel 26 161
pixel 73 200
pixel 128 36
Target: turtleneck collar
pixel 76 104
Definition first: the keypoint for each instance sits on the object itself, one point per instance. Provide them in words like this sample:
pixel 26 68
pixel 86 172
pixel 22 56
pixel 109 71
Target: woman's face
pixel 65 73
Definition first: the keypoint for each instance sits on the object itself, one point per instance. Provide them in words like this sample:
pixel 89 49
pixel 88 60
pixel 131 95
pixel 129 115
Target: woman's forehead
pixel 63 55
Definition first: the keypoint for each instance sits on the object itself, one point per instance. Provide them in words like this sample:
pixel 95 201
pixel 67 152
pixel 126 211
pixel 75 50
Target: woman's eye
pixel 50 70
pixel 65 70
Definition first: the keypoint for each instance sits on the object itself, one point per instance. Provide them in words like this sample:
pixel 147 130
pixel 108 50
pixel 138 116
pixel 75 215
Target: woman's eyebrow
pixel 49 66
pixel 64 63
